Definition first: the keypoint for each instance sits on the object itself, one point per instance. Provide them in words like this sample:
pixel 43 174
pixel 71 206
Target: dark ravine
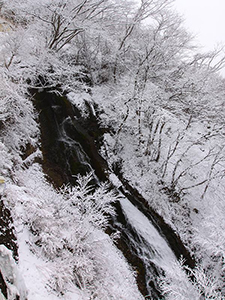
pixel 60 161
pixel 70 145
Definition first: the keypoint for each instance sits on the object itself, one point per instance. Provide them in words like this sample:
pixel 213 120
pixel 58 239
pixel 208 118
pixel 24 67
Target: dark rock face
pixel 7 236
pixel 68 140
pixel 3 286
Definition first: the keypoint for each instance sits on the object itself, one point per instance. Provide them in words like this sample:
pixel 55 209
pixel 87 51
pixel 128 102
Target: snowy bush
pixel 17 120
pixel 199 284
pixel 157 95
pixel 65 230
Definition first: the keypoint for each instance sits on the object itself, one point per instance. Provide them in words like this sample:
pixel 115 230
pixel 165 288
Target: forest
pixel 112 153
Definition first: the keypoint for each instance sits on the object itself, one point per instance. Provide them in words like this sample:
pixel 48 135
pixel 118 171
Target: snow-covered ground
pixel 45 228
pixel 147 83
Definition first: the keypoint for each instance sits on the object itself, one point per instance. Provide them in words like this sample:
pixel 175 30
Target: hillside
pixel 112 154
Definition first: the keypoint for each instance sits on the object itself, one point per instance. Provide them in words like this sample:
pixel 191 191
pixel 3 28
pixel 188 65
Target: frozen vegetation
pixel 161 105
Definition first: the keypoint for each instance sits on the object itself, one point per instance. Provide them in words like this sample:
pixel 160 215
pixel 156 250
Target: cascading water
pixel 151 248
pixel 72 146
pixel 149 244
pixel 68 149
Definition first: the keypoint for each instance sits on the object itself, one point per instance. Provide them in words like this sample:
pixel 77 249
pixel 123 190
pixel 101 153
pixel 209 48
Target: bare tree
pixel 147 9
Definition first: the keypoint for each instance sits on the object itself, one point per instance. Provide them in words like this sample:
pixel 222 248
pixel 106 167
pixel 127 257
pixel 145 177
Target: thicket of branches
pixel 65 231
pixel 144 60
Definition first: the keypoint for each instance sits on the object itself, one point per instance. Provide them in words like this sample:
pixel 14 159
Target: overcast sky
pixel 206 20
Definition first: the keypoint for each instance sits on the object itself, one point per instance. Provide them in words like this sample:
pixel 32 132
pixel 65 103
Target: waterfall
pixel 70 147
pixel 152 249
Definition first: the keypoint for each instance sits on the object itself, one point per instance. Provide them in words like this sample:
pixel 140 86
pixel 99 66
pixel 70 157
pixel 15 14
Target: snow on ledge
pixel 11 276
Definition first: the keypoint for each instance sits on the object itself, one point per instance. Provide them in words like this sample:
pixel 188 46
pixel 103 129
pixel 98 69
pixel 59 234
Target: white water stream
pixel 154 251
pixel 161 252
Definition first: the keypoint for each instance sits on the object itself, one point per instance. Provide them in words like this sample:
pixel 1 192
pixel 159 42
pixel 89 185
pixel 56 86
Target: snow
pixel 35 273
pixel 79 99
pixel 12 277
pixel 2 185
pixel 196 216
pixel 36 205
pixel 175 84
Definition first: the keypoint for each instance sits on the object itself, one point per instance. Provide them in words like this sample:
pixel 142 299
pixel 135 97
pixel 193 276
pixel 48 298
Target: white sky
pixel 205 19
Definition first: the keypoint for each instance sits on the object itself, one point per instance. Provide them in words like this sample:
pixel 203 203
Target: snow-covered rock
pixel 12 278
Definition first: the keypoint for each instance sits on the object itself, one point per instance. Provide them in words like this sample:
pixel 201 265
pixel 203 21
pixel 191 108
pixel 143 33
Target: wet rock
pixel 68 140
pixel 7 235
